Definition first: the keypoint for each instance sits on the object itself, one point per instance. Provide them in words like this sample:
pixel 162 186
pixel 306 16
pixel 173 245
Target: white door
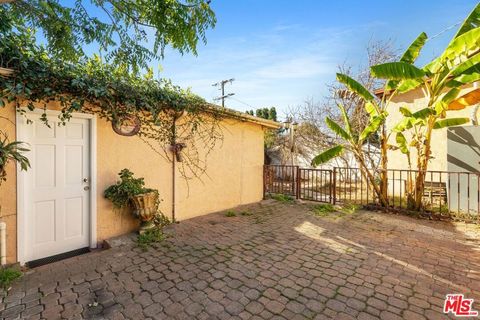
pixel 56 188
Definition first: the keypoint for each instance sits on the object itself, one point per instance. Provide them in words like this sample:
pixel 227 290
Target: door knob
pixel 86 188
pixel 85 179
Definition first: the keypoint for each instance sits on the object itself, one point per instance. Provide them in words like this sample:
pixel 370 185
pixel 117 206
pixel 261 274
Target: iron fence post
pixel 333 193
pixel 264 182
pixel 297 183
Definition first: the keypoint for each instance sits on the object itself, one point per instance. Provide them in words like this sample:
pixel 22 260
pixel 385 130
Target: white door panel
pixel 57 199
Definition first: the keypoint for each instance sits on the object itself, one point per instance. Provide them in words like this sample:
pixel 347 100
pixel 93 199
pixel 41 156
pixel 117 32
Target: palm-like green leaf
pixel 460 47
pixel 465 79
pixel 444 123
pixel 335 127
pixel 348 127
pixel 470 65
pixel 408 85
pixel 402 143
pixel 404 124
pixel 327 155
pixel 397 71
pixel 423 113
pixel 13 151
pixel 466 72
pixel 451 95
pixel 405 111
pixel 458 51
pixel 371 128
pixel 410 55
pixel 471 22
pixel 355 86
pixel 442 105
pixel 371 109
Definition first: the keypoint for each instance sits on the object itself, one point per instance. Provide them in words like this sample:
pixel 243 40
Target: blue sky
pixel 283 52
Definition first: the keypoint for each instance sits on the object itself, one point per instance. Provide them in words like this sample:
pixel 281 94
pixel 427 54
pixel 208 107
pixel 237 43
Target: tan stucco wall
pixel 415 100
pixel 8 201
pixel 233 176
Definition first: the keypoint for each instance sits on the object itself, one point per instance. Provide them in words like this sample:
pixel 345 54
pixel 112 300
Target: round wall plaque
pixel 127 125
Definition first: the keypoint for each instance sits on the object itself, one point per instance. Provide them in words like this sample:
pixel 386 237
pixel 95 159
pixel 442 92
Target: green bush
pixel 128 186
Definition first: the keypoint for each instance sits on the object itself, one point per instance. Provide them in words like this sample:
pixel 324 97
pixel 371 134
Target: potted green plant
pixel 131 191
pixel 11 151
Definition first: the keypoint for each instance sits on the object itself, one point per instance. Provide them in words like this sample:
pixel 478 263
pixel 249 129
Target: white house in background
pixel 282 155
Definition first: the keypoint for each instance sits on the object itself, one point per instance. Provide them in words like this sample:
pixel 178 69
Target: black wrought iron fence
pixel 315 185
pixel 445 193
pixel 280 179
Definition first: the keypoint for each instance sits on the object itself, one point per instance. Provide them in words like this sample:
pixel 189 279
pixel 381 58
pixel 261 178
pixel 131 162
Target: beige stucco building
pixel 415 100
pixel 455 160
pixel 38 226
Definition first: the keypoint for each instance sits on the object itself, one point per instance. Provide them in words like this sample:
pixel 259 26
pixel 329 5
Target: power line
pixel 242 102
pixel 445 30
pixel 222 88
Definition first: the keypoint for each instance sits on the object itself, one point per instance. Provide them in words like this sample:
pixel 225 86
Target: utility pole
pixel 222 88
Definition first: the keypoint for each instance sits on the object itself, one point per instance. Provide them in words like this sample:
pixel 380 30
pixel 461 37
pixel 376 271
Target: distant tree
pixel 272 114
pixel 259 113
pixel 123 30
pixel 265 113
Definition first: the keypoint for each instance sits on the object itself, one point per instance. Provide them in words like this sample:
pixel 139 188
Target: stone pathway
pixel 277 261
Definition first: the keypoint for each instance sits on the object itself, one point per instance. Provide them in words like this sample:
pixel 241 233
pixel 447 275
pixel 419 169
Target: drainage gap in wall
pixel 57 257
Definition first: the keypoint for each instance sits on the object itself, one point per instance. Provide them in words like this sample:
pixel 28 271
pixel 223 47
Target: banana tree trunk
pixel 384 166
pixel 423 159
pixel 370 178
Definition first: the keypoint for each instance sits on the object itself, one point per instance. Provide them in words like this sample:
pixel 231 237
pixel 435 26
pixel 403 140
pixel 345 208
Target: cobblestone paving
pixel 279 261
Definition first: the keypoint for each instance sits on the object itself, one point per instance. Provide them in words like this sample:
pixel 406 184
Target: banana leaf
pixel 327 155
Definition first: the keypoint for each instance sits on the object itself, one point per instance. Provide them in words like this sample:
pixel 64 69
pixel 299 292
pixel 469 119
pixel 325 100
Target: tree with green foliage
pixel 113 93
pixel 123 29
pixel 265 113
pixel 441 80
pixel 116 82
pixel 272 114
pixel 353 142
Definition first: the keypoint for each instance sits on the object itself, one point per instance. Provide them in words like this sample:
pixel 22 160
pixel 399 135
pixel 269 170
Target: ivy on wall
pixel 167 113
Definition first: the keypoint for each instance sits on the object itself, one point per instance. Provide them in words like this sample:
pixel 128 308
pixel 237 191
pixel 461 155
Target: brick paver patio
pixel 280 262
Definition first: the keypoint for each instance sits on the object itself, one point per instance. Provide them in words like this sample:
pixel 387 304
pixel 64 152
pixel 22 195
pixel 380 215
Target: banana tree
pixel 416 123
pixel 441 81
pixel 353 142
pixel 377 109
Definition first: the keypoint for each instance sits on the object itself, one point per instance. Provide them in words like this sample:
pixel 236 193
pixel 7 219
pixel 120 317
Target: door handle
pixel 85 180
pixel 86 188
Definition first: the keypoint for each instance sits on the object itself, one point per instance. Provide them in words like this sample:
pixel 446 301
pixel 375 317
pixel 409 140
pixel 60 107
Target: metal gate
pixel 305 184
pixel 315 185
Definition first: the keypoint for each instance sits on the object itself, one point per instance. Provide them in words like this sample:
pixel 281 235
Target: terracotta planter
pixel 146 205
